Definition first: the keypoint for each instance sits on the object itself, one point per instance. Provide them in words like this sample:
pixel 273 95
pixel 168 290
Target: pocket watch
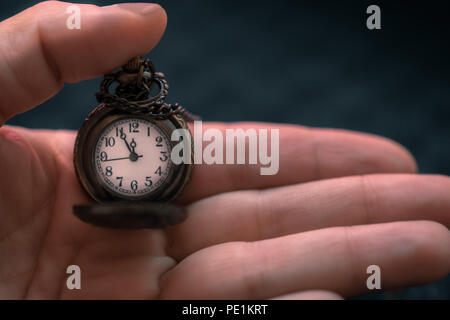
pixel 122 153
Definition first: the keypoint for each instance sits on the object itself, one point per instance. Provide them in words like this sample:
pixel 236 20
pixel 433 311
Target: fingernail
pixel 139 8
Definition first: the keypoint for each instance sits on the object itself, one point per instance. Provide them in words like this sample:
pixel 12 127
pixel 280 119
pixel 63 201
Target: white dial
pixel 132 157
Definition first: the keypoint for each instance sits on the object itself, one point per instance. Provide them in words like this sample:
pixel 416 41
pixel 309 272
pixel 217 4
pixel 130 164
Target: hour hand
pixel 133 145
pixel 133 156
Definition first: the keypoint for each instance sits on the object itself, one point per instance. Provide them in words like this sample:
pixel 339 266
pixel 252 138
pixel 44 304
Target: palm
pixel 317 224
pixel 51 238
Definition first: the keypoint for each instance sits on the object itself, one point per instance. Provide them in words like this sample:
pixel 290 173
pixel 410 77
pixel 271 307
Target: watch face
pixel 132 158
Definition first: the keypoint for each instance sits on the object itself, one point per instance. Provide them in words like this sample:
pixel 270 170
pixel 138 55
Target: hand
pixel 309 231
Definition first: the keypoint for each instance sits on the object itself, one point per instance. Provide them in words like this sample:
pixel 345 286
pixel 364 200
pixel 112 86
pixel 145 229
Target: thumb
pixel 39 52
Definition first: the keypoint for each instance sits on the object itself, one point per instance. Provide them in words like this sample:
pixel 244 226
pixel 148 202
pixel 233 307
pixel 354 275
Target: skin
pixel 341 201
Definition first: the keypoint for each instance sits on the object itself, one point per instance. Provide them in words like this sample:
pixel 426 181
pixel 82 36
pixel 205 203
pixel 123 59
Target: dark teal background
pixel 306 62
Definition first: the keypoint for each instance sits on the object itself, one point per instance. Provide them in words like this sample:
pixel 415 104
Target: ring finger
pixel 258 215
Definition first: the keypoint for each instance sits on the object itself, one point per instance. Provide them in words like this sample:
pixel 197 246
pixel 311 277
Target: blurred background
pixel 305 62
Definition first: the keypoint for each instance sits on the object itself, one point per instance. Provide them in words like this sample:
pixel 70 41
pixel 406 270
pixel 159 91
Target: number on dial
pixel 131 162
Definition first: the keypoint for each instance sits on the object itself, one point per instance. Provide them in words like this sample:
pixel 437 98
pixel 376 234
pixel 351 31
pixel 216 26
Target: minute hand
pixel 123 136
pixel 120 158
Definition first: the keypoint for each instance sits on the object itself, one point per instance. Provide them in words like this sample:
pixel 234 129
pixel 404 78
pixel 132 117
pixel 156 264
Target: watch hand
pixel 133 155
pixel 123 136
pixel 137 156
pixel 133 144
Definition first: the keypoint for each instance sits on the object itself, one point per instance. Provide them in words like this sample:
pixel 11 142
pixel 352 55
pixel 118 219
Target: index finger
pixel 39 52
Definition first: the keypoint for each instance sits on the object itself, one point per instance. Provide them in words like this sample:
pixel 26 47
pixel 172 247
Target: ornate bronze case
pixel 84 162
pixel 132 99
